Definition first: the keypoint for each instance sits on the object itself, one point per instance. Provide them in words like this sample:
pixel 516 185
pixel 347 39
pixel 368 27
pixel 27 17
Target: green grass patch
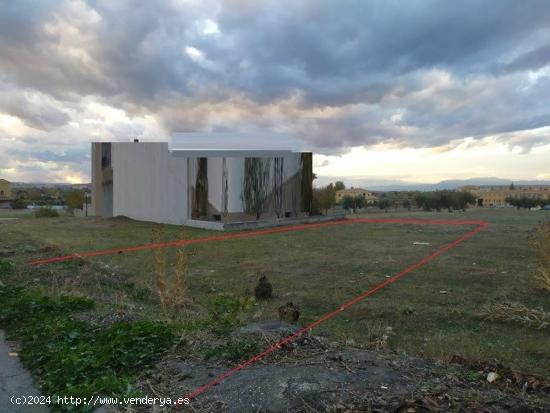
pixel 233 350
pixel 75 358
pixel 46 212
pixel 6 268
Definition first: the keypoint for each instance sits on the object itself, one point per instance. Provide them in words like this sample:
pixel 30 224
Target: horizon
pixel 351 182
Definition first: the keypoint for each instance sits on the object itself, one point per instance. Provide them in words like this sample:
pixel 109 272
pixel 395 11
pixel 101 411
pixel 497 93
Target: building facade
pixel 496 195
pixel 367 195
pixel 5 190
pixel 150 182
pixel 5 193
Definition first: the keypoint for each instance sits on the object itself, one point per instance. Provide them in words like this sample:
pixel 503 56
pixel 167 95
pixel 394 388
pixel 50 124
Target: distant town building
pixel 367 195
pixel 5 193
pixel 199 181
pixel 496 195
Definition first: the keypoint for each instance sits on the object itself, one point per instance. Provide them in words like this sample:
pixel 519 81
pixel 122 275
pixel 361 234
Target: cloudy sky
pixel 412 90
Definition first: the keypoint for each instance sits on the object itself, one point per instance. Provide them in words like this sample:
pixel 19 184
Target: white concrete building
pixel 199 179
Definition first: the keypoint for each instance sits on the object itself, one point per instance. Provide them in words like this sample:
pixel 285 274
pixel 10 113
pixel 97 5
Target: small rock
pixel 492 376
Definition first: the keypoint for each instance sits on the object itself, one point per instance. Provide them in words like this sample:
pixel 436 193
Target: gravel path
pixel 15 381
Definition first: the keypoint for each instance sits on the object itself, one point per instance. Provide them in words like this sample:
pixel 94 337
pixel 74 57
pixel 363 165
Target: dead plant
pixel 540 241
pixel 180 293
pixel 511 311
pixel 159 258
pixel 177 297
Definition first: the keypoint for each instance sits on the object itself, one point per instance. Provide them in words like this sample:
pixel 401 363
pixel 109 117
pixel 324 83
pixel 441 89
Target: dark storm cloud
pixel 380 64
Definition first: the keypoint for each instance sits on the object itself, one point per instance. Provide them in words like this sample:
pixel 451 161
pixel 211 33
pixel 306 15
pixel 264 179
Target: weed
pixel 540 241
pixel 408 310
pixel 233 351
pixel 227 312
pixel 160 266
pixel 533 317
pixel 177 297
pixel 72 357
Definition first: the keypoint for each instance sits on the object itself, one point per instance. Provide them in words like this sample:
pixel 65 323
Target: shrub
pixel 18 203
pixel 226 312
pixel 46 212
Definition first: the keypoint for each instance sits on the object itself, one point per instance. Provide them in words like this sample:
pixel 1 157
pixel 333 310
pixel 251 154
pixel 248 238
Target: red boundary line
pixel 480 225
pixel 247 234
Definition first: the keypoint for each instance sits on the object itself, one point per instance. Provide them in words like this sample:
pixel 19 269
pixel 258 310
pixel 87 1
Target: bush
pixel 18 203
pixel 46 212
pixel 226 312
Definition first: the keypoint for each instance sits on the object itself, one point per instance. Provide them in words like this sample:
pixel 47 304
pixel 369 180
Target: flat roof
pixel 229 141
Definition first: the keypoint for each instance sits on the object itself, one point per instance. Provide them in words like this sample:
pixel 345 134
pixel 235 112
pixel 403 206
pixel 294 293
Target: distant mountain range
pixel 377 184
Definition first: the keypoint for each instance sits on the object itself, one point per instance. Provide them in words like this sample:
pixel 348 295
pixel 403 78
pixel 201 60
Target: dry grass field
pixel 434 312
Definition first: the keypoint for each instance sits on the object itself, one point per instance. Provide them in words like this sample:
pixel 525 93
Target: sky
pixel 417 91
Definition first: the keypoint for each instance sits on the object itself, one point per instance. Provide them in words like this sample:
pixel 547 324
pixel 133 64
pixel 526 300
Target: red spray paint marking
pixel 480 225
pixel 247 234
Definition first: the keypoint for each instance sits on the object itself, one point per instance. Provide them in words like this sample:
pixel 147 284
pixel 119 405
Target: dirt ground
pixel 315 374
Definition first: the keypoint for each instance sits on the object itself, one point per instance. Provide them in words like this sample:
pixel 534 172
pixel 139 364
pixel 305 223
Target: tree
pixel 384 204
pixel 353 202
pixel 462 199
pixel 407 204
pixel 512 186
pixel 306 161
pixel 339 185
pixel 525 202
pixel 18 203
pixel 324 198
pixel 348 203
pixel 75 199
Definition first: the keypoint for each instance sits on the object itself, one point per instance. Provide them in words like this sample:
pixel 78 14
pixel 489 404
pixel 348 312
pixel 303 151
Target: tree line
pixel 445 199
pixel 72 198
pixel 525 202
pixel 324 198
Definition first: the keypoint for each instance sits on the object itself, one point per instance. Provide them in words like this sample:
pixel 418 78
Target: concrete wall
pixel 148 183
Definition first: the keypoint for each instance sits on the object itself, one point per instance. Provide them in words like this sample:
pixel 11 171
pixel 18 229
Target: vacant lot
pixel 433 312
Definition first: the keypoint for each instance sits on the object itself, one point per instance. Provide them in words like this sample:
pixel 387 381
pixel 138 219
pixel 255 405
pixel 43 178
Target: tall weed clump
pixel 540 241
pixel 174 295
